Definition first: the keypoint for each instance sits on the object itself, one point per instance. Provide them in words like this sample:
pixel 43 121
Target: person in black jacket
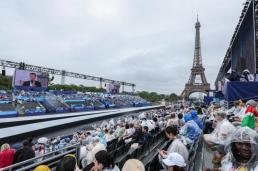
pixel 138 134
pixel 32 82
pixel 146 135
pixel 25 153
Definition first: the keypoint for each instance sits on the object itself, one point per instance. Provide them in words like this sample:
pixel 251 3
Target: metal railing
pixel 50 159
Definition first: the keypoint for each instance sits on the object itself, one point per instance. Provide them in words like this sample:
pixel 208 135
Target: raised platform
pixel 236 90
pixel 18 133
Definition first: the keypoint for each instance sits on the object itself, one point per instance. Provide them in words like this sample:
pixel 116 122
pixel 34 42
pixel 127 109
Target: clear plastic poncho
pixel 234 159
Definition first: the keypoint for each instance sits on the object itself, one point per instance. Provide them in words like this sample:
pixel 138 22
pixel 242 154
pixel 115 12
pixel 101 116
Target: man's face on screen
pixel 32 77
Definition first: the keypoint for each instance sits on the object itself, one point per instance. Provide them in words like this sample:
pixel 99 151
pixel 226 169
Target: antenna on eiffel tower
pixel 197 70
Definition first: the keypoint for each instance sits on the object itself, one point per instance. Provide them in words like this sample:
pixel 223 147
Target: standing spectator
pixel 6 156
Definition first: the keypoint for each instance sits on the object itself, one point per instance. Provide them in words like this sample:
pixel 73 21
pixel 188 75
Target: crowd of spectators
pixel 94 143
pixel 231 137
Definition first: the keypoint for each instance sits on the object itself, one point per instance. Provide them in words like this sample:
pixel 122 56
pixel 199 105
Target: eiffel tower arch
pixel 197 70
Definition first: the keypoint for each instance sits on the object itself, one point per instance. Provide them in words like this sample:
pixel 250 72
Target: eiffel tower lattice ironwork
pixel 197 70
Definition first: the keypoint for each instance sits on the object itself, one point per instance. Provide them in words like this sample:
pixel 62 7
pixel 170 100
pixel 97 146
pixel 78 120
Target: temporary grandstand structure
pixel 226 64
pixel 63 73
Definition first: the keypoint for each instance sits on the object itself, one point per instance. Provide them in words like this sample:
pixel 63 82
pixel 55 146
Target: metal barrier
pixel 50 159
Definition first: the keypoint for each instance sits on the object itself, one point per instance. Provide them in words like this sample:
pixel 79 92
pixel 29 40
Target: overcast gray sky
pixel 146 42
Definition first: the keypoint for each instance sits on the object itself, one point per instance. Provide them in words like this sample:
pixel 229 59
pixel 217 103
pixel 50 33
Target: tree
pixel 5 82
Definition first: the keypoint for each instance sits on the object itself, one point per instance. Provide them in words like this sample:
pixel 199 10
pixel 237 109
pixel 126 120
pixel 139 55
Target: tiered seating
pixel 122 151
pixel 33 102
pixel 33 108
pixel 7 110
pixel 54 105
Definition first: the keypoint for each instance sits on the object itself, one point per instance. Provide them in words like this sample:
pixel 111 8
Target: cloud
pixel 149 43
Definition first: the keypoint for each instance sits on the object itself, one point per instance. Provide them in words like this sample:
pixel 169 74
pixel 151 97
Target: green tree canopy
pixel 5 82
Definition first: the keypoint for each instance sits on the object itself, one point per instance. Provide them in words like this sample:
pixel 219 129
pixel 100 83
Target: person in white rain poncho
pixel 142 115
pixel 149 123
pixel 242 151
pixel 222 132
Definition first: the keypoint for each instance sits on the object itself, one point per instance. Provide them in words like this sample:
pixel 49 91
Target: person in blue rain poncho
pixel 190 130
pixel 196 119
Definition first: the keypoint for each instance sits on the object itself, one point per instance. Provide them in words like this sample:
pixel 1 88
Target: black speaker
pixel 3 72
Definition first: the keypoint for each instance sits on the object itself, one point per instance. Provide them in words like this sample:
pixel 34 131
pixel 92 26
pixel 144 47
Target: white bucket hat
pixel 174 159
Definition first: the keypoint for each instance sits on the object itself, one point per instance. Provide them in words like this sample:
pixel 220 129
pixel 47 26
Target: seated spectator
pixel 40 152
pixel 173 120
pixel 25 153
pixel 174 162
pixel 155 120
pixel 146 135
pixel 67 163
pixel 222 132
pixel 108 135
pixel 97 146
pixel 6 155
pixel 133 165
pixel 176 145
pixel 138 134
pixel 235 109
pixel 180 120
pixel 42 168
pixel 196 119
pixel 190 130
pixel 104 162
pixel 119 130
pixel 242 109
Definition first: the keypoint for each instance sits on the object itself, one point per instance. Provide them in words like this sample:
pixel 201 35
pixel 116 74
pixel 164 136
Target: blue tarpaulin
pixel 240 90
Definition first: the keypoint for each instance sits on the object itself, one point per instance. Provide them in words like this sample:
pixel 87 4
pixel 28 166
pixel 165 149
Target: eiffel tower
pixel 197 70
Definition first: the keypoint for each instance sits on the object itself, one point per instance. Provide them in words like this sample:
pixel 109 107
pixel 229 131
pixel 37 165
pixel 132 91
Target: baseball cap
pixel 174 159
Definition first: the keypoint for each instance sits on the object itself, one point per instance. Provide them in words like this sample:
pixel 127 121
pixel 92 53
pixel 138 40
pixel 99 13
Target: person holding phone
pixel 176 145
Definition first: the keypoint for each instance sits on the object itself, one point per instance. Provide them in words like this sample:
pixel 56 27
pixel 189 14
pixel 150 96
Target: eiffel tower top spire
pixel 197 50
